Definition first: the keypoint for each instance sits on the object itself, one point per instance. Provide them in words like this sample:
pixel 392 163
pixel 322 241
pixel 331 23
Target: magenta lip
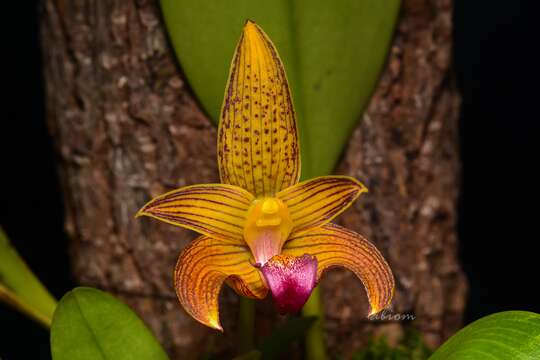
pixel 291 280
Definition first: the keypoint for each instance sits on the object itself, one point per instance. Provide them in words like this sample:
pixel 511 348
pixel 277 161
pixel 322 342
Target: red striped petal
pixel 216 210
pixel 315 202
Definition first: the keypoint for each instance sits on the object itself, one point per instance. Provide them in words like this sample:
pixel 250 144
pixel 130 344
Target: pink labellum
pixel 291 280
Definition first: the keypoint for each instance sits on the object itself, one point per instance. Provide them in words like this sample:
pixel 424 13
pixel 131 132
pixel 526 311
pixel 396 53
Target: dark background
pixel 496 68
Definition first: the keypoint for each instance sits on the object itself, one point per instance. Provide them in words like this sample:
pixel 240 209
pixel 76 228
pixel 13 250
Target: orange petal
pixel 258 140
pixel 202 268
pixel 216 210
pixel 315 202
pixel 334 245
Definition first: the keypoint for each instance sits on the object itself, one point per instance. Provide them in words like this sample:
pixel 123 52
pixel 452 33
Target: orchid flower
pixel 260 229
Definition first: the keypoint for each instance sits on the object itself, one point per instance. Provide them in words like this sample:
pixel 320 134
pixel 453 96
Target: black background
pixel 496 67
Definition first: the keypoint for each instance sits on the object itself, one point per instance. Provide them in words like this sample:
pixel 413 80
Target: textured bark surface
pixel 127 128
pixel 406 150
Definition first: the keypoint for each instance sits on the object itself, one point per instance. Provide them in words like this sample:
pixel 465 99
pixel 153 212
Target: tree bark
pixel 127 128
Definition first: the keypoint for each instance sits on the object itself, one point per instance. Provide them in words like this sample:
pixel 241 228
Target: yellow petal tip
pixel 214 324
pixel 249 27
pixel 362 187
pixel 373 312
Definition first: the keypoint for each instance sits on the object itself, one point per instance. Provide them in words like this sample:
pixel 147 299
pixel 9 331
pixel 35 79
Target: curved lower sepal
pixel 334 245
pixel 202 268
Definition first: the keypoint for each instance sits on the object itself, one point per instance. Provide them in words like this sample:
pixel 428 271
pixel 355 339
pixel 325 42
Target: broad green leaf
pixel 333 52
pixel 509 335
pixel 279 340
pixel 20 288
pixel 91 324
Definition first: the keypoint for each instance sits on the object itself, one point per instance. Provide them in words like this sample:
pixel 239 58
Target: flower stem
pixel 315 346
pixel 246 324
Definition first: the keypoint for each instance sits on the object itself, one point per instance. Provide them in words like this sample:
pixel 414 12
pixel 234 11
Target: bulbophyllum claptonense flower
pixel 260 229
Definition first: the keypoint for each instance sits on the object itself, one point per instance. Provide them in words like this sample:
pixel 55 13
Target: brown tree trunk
pixel 127 128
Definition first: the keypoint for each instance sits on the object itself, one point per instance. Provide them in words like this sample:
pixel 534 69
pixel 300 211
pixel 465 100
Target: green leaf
pixel 91 324
pixel 512 335
pixel 279 340
pixel 20 288
pixel 333 53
